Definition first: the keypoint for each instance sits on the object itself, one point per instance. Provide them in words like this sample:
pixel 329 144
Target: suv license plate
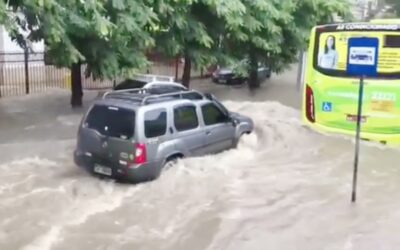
pixel 102 170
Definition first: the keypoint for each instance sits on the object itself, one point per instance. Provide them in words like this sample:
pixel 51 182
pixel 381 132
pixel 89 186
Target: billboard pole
pixel 362 62
pixel 357 149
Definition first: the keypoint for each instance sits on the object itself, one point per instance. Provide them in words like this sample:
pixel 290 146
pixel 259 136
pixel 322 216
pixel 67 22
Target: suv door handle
pixel 208 132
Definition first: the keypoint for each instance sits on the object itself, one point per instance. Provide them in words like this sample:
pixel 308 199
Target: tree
pixel 273 32
pixel 110 37
pixel 193 29
pixel 396 6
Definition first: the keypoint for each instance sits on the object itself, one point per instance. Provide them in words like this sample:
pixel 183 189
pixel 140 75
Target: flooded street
pixel 284 187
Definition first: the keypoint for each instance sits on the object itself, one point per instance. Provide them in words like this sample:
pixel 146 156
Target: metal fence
pixel 25 73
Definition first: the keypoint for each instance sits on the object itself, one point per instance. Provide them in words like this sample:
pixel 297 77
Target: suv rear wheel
pixel 171 161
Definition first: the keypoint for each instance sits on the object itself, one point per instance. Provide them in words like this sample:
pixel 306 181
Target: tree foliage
pixel 192 29
pixel 267 31
pixel 396 6
pixel 109 36
pixel 112 37
pixel 273 32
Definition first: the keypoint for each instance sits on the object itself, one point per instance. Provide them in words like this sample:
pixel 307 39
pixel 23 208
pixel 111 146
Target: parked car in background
pixel 134 134
pixel 146 81
pixel 227 76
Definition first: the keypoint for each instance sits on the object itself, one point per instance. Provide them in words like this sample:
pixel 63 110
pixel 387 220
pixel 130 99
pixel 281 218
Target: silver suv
pixel 133 134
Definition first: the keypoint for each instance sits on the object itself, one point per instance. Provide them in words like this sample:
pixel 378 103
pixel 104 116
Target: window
pixel 185 118
pixel 392 41
pixel 218 103
pixel 111 121
pixel 130 84
pixel 192 96
pixel 213 115
pixel 221 106
pixel 331 45
pixel 168 86
pixel 155 123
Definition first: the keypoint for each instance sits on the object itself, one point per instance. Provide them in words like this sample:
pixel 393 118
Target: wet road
pixel 285 187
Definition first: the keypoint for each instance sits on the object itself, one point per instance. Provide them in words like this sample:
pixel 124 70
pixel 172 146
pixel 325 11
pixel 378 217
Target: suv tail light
pixel 310 105
pixel 140 153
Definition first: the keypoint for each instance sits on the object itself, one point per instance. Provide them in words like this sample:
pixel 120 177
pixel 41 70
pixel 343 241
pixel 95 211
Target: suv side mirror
pixel 209 96
pixel 233 121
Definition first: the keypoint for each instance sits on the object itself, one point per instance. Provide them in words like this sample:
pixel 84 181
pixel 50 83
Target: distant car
pixel 147 81
pixel 227 76
pixel 133 135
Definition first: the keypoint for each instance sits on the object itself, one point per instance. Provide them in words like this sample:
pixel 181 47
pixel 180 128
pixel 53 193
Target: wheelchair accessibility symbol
pixel 327 106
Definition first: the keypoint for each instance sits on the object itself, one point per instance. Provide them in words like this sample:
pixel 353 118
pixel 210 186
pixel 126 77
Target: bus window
pixel 392 41
pixel 330 52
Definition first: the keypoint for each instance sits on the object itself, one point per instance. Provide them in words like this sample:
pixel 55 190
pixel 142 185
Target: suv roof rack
pixel 143 96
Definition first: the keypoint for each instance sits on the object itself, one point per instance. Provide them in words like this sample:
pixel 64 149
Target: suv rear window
pixel 111 121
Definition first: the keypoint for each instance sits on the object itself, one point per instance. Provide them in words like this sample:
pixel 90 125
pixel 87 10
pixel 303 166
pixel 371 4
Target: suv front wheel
pixel 237 140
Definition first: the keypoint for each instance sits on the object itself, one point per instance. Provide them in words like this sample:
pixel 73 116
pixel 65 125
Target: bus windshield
pixel 330 50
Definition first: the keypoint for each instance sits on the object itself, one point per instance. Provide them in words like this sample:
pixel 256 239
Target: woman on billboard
pixel 329 58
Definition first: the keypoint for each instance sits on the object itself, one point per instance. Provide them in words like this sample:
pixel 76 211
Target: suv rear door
pixel 107 135
pixel 155 132
pixel 219 130
pixel 188 132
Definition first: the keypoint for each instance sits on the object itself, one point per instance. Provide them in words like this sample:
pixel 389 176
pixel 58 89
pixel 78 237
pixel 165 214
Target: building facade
pixel 363 9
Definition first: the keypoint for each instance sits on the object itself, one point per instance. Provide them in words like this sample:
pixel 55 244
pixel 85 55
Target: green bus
pixel 330 96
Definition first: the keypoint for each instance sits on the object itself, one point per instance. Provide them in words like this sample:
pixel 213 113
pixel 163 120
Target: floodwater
pixel 285 187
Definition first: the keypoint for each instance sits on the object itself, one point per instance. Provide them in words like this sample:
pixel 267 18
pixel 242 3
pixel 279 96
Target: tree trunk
pixel 253 71
pixel 76 85
pixel 187 68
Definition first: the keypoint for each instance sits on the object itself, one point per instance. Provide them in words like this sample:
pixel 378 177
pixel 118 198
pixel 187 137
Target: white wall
pixel 360 8
pixel 8 46
pixel 11 51
pixel 1 39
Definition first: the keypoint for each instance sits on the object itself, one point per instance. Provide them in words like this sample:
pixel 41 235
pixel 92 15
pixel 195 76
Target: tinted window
pixel 192 96
pixel 185 118
pixel 172 87
pixel 111 121
pixel 163 89
pixel 392 41
pixel 221 106
pixel 212 114
pixel 155 123
pixel 130 84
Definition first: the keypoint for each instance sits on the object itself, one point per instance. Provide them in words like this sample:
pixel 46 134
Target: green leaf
pixel 118 4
